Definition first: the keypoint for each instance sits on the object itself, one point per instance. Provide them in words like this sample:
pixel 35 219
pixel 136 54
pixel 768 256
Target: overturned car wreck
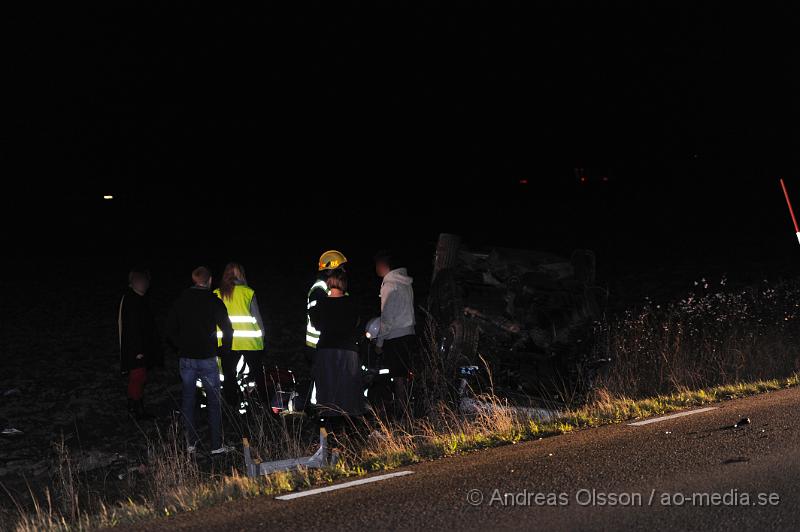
pixel 528 314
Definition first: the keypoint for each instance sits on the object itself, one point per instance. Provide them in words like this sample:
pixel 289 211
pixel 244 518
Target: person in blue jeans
pixel 207 371
pixel 192 328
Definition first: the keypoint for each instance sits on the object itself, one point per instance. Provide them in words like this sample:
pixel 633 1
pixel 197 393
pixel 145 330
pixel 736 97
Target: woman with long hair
pixel 248 335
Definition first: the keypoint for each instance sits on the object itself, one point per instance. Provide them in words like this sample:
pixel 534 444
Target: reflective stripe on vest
pixel 243 334
pixel 247 335
pixel 312 335
pixel 242 319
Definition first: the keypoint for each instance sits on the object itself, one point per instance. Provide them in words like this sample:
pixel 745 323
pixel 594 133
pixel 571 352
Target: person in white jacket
pixel 397 339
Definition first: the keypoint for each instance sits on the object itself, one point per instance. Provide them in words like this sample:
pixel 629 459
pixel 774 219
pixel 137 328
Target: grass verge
pixel 392 446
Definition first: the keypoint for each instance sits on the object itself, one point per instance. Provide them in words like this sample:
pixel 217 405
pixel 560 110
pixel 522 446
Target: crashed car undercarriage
pixel 529 315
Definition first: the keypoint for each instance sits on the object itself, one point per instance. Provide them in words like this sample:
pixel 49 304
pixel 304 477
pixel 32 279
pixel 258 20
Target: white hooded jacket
pixel 397 306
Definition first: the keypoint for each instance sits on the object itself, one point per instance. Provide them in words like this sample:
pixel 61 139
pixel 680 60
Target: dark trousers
pixel 399 354
pixel 206 370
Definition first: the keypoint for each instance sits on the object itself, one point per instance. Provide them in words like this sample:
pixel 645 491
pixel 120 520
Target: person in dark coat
pixel 140 347
pixel 336 369
pixel 192 329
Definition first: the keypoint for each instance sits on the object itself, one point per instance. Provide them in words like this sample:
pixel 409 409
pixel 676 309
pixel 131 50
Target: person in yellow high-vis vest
pixel 244 363
pixel 328 261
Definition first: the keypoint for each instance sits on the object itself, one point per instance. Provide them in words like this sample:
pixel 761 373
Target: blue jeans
pixel 207 371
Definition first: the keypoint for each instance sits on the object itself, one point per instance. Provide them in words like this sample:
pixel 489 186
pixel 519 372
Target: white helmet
pixel 373 328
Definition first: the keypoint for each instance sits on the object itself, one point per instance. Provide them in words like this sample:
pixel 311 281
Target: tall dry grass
pixel 711 337
pixel 713 344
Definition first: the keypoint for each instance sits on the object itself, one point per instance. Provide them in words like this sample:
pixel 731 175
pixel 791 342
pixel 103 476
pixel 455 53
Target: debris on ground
pixel 7 429
pixel 736 460
pixel 140 469
pixel 90 460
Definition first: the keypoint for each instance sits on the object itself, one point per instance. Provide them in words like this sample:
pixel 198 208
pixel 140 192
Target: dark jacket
pixel 317 294
pixel 336 318
pixel 193 322
pixel 138 334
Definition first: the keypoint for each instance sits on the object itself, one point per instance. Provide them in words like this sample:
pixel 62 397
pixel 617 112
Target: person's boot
pixel 140 412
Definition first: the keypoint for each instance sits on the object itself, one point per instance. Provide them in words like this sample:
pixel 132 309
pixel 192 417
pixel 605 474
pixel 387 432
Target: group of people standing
pixel 224 329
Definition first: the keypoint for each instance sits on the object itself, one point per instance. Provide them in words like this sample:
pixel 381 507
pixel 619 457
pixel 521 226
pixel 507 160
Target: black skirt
pixel 337 376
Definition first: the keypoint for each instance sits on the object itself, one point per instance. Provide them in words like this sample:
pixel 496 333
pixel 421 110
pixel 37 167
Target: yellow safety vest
pixel 312 335
pixel 247 336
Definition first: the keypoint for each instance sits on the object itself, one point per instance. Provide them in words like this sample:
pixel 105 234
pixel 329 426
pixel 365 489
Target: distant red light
pixel 523 181
pixel 583 179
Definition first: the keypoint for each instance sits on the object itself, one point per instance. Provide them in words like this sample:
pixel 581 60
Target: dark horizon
pixel 124 93
pixel 411 123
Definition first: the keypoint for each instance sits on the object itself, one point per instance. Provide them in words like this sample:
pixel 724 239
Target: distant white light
pixel 383 372
pixel 108 197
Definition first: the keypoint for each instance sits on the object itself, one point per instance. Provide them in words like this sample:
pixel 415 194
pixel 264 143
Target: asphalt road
pixel 641 467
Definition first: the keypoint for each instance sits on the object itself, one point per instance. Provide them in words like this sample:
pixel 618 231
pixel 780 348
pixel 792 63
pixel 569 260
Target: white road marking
pixel 343 485
pixel 672 416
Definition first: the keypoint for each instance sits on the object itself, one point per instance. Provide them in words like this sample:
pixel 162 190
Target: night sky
pixel 388 126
